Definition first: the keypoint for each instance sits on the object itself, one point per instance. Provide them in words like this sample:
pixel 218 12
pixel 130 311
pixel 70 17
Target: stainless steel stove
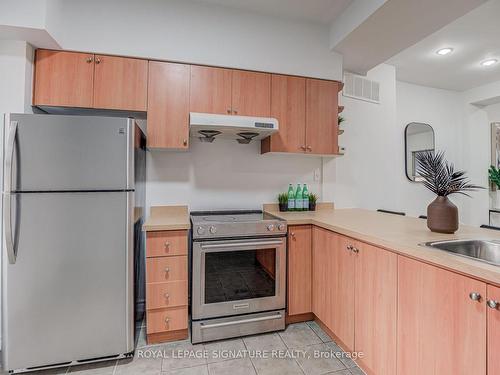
pixel 239 274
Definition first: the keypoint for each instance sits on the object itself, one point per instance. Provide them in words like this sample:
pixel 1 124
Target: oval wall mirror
pixel 419 137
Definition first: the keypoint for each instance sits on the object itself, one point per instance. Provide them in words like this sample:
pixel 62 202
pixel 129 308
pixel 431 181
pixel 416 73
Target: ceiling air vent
pixel 361 88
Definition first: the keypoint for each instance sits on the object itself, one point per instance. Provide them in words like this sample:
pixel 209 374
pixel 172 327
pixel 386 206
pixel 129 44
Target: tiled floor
pixel 315 354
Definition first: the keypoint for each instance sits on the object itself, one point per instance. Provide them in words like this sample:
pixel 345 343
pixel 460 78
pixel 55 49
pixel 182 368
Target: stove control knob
pixel 281 227
pixel 270 227
pixel 213 230
pixel 200 230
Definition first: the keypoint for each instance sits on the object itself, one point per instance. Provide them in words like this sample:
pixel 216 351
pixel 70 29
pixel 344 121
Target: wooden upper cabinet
pixel 120 83
pixel 440 329
pixel 493 331
pixel 168 105
pixel 299 269
pixel 210 90
pixel 376 308
pixel 63 79
pixel 251 93
pixel 322 116
pixel 333 284
pixel 288 106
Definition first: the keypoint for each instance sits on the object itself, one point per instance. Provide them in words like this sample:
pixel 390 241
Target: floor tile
pixel 134 366
pixel 299 335
pixel 341 372
pixel 223 350
pixel 198 370
pixel 319 359
pixel 267 341
pixel 345 358
pixel 356 371
pixel 318 331
pixel 276 366
pixel 181 355
pixel 232 367
pixel 99 368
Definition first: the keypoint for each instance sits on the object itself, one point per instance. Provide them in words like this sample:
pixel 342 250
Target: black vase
pixel 283 207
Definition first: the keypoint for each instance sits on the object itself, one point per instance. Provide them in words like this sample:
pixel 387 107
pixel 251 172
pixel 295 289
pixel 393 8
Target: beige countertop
pixel 167 218
pixel 401 234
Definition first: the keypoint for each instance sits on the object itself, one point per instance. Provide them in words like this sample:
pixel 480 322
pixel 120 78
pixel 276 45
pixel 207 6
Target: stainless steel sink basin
pixel 483 250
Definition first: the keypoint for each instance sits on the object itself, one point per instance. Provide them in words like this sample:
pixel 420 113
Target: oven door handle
pixel 241 244
pixel 234 322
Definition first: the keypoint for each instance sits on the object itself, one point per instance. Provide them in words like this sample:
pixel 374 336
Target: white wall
pixel 194 32
pixel 225 175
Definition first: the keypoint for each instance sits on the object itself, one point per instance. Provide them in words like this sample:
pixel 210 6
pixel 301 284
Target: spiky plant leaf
pixel 440 177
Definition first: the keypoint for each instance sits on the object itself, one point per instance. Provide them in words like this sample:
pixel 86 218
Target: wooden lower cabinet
pixel 166 286
pixel 440 329
pixel 376 309
pixel 299 296
pixel 493 330
pixel 333 284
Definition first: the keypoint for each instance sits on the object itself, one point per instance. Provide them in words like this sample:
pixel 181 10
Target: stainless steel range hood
pixel 244 129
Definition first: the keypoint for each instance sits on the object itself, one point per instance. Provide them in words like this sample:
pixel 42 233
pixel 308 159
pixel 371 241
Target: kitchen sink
pixel 483 250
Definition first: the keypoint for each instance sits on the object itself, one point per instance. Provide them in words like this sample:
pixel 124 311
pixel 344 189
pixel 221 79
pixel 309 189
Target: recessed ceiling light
pixel 489 62
pixel 444 51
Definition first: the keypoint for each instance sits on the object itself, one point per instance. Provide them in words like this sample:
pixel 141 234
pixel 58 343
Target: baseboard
pixel 290 319
pixel 159 337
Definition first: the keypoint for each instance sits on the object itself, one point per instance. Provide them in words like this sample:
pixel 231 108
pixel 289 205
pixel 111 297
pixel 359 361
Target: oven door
pixel 233 277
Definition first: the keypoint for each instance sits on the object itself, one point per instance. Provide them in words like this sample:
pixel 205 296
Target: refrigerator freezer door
pixel 69 295
pixel 58 153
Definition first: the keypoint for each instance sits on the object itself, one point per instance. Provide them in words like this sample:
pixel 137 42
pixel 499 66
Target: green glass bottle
pixel 299 204
pixel 291 198
pixel 305 198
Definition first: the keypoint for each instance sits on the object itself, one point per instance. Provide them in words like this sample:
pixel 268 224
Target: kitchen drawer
pixel 166 243
pixel 166 320
pixel 166 269
pixel 169 294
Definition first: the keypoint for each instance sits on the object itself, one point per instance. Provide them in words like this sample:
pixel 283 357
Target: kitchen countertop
pixel 167 218
pixel 400 234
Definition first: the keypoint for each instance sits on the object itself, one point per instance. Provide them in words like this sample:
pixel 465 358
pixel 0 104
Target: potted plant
pixel 440 177
pixel 494 177
pixel 283 201
pixel 313 198
pixel 340 120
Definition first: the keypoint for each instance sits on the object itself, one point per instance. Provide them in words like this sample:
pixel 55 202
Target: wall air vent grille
pixel 358 87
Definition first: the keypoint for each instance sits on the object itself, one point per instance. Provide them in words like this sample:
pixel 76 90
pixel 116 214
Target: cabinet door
pixel 168 105
pixel 288 105
pixel 120 83
pixel 376 308
pixel 251 93
pixel 210 90
pixel 299 269
pixel 493 331
pixel 63 79
pixel 441 330
pixel 321 116
pixel 333 284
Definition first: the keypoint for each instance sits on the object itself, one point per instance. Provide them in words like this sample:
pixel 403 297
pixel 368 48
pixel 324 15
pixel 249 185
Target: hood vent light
pixel 246 137
pixel 208 135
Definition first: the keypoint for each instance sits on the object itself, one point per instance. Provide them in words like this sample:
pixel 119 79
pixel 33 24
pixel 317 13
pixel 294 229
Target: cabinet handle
pixel 493 304
pixel 185 142
pixel 349 247
pixel 292 234
pixel 166 244
pixel 303 148
pixel 97 60
pixel 167 319
pixel 167 296
pixel 475 296
pixel 309 148
pixel 89 60
pixel 167 270
pixel 235 111
pixel 229 111
pixel 355 250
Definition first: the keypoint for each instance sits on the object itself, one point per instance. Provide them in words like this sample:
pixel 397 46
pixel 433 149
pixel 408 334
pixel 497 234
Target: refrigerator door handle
pixel 7 213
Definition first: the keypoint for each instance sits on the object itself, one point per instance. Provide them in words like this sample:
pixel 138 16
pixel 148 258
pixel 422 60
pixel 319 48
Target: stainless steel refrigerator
pixel 73 189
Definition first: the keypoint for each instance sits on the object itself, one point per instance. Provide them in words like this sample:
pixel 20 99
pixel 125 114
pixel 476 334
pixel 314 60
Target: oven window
pixel 237 275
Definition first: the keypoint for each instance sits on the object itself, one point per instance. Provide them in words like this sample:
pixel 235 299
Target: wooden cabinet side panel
pixel 63 79
pixel 120 83
pixel 376 308
pixel 321 116
pixel 493 332
pixel 299 269
pixel 210 90
pixel 440 329
pixel 168 105
pixel 251 93
pixel 288 106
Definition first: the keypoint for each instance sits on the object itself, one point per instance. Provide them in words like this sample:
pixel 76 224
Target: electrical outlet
pixel 317 175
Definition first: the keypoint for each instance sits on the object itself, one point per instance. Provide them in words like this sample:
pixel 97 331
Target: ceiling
pixel 314 11
pixel 474 37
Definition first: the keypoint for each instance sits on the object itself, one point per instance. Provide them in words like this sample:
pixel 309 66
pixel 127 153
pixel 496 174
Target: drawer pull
pixel 167 296
pixel 167 244
pixel 167 320
pixel 167 270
